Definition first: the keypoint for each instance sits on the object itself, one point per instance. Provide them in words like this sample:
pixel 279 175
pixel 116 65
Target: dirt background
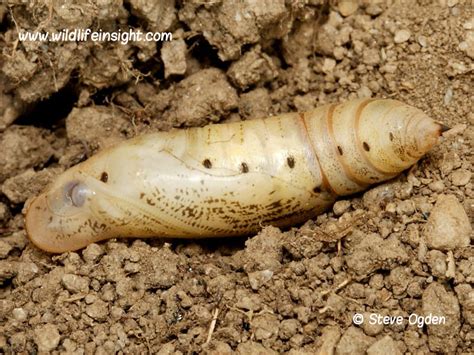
pixel 403 247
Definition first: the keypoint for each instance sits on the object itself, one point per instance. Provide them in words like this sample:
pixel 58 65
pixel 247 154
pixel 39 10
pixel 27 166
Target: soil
pixel 402 248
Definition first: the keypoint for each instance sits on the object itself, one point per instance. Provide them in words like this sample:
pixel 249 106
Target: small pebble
pixel 379 195
pixel 467 46
pixel 98 310
pixel 46 337
pixel 406 207
pixel 329 338
pixel 339 53
pixel 74 283
pixel 69 345
pixel 391 207
pixel 389 68
pixel 439 300
pixel 376 281
pixel 461 177
pixel 448 96
pixel 414 290
pixel 185 301
pixel 451 267
pixel 340 207
pixel 436 186
pixel 373 10
pixel 26 272
pixel 456 67
pixel 405 191
pixel 372 328
pixel 449 162
pixel 469 25
pixel 116 313
pixel 371 56
pixel 131 268
pixel 448 226
pixel 363 92
pixel 173 54
pixel 422 41
pixel 374 86
pixel 402 36
pixel 107 348
pixel 386 345
pixel 19 314
pixel 328 65
pixel 92 253
pixel 5 249
pixel 135 256
pixel 27 184
pixel 288 328
pixel 259 278
pixel 90 298
pixel 347 7
pixel 355 340
pixel 248 303
pixel 436 260
pixel 108 293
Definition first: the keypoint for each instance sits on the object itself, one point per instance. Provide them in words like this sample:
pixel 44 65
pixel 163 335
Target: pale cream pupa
pixel 230 179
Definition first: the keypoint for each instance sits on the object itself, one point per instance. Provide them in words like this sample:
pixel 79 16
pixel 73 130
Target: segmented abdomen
pixel 231 179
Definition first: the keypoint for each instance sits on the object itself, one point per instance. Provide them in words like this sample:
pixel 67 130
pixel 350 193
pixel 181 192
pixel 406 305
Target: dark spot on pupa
pixel 339 149
pixel 142 194
pixel 150 202
pixel 104 177
pixel 207 163
pixel 275 204
pixel 317 190
pixel 366 146
pixel 244 168
pixel 390 135
pixel 291 162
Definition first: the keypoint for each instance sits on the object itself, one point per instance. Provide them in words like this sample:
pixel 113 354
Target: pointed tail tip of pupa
pixel 443 127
